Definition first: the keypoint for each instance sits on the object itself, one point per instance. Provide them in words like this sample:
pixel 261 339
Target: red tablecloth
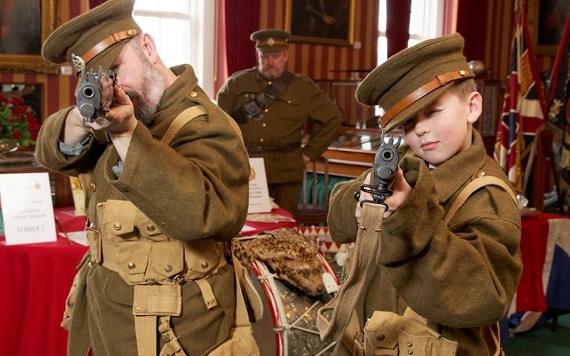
pixel 530 293
pixel 35 280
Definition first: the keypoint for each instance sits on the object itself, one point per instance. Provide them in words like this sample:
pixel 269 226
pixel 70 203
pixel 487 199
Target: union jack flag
pixel 523 105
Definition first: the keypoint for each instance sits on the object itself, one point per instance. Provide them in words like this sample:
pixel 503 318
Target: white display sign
pixel 27 208
pixel 259 201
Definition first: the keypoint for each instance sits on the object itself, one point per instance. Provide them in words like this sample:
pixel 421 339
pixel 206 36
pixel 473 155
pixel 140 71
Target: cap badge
pixel 271 41
pixel 78 63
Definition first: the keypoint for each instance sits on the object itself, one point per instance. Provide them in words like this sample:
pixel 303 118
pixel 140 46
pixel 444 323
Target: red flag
pixel 523 106
pixel 559 102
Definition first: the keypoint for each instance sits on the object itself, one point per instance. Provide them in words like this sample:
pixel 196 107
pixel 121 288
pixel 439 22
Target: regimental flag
pixel 523 106
pixel 559 105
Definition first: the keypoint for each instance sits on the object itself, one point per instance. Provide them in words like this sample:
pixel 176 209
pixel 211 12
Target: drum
pixel 288 326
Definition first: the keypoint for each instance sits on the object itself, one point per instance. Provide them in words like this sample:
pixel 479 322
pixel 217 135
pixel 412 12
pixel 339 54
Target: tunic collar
pixel 454 173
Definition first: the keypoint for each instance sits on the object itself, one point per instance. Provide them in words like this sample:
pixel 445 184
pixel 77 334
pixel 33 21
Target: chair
pixel 313 208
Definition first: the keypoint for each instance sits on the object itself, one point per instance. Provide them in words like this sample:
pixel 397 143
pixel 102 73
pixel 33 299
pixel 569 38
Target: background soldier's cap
pixel 97 36
pixel 270 40
pixel 414 78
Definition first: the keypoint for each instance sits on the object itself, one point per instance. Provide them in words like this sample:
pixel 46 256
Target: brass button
pixel 289 101
pixel 380 337
pixel 131 265
pixel 92 187
pixel 261 140
pixel 481 174
pixel 204 264
pixel 137 309
pixel 410 344
pixel 266 110
pixel 263 124
pixel 269 82
pixel 193 94
pixel 150 228
pixel 462 73
pixel 90 263
pixel 117 226
pixel 247 95
pixel 410 352
pixel 168 268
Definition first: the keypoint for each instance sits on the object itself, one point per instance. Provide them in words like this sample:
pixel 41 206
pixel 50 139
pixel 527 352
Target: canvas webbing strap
pixel 182 119
pixel 361 272
pixel 242 318
pixel 471 188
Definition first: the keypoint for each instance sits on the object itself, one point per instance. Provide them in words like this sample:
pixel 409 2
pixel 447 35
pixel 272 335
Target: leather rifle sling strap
pixel 146 326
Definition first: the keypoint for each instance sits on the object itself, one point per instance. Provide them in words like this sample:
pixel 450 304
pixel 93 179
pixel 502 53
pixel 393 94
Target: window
pixel 183 31
pixel 425 22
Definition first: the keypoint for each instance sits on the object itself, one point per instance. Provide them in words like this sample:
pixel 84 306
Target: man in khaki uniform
pixel 162 197
pixel 462 275
pixel 273 124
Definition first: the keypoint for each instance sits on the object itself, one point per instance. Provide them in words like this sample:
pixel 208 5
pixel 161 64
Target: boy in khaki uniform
pixel 276 133
pixel 166 175
pixel 460 276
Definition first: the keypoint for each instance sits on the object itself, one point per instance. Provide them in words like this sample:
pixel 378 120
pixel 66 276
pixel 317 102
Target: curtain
pixel 93 3
pixel 397 24
pixel 241 19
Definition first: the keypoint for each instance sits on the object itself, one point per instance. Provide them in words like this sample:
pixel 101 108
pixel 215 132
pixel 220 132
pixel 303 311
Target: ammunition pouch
pixel 249 110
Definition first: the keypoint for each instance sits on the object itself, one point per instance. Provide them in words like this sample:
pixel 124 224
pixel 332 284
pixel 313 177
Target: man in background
pixel 273 107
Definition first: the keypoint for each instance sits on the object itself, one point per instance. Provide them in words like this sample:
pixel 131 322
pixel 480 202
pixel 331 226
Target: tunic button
pixel 410 352
pixel 150 228
pixel 263 124
pixel 289 101
pixel 204 264
pixel 137 309
pixel 462 73
pixel 266 110
pixel 131 265
pixel 93 187
pixel 380 337
pixel 247 95
pixel 117 226
pixel 481 174
pixel 269 82
pixel 261 140
pixel 410 344
pixel 168 268
pixel 193 94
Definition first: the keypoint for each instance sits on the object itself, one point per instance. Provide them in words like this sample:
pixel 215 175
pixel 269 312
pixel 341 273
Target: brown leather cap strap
pixel 422 91
pixel 108 42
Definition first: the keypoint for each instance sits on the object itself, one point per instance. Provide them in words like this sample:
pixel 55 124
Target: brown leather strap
pixel 422 91
pixel 107 42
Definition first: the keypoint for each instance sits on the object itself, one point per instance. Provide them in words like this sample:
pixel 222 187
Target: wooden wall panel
pixel 323 62
pixel 58 89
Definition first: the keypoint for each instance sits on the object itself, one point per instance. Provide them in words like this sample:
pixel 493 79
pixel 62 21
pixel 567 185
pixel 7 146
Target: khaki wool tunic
pixel 195 189
pixel 284 122
pixel 462 276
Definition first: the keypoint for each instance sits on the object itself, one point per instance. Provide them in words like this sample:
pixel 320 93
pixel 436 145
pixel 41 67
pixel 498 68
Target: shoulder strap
pixel 471 188
pixel 182 119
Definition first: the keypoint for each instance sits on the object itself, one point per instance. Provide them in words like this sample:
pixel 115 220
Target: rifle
pixel 383 171
pixel 95 92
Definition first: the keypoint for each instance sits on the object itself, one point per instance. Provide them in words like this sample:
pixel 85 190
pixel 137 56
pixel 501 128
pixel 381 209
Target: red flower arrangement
pixel 18 121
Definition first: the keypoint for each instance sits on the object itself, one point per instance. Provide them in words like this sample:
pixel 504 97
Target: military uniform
pixel 193 190
pixel 276 135
pixel 460 276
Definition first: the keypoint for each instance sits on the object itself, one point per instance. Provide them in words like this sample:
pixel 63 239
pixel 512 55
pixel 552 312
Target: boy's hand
pixel 401 190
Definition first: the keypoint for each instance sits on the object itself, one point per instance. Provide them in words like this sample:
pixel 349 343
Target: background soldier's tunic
pixel 195 189
pixel 284 122
pixel 460 276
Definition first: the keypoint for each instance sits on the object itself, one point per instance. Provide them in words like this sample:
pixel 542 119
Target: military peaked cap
pixel 414 78
pixel 270 40
pixel 97 36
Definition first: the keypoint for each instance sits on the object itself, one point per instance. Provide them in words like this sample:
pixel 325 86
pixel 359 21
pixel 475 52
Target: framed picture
pixel 546 22
pixel 24 25
pixel 321 21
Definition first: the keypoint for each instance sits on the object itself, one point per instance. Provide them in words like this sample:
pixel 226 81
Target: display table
pixel 545 250
pixel 36 278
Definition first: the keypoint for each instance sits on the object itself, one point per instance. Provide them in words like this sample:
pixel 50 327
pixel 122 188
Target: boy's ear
pixel 474 106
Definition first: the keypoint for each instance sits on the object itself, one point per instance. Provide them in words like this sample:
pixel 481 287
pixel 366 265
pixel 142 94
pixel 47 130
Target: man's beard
pixel 146 102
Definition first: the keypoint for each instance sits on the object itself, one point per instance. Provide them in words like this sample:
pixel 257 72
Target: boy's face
pixel 443 129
